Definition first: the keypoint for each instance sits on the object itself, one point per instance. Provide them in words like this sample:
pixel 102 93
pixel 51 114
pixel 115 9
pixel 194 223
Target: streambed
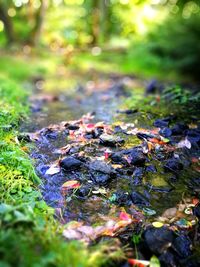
pixel 128 169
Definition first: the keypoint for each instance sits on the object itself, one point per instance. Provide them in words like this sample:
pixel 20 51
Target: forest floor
pixel 118 168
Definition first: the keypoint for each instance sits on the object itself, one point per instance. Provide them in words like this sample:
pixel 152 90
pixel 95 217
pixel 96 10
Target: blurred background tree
pixel 165 29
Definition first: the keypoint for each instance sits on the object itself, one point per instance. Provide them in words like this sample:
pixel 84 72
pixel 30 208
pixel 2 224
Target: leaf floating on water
pixel 72 184
pixel 157 224
pixel 138 263
pixel 53 169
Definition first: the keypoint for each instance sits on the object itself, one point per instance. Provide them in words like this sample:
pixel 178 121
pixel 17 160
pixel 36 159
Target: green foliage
pixel 28 236
pixel 27 239
pixel 176 43
pixel 154 262
pixel 176 95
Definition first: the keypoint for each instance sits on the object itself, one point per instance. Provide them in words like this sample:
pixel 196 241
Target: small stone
pixel 179 129
pixel 101 178
pixel 182 245
pixel 138 199
pixel 173 165
pixel 161 123
pixel 110 140
pixel 151 168
pixel 158 240
pixel 100 166
pixel 70 163
pixel 137 157
pixel 83 191
pixel 166 132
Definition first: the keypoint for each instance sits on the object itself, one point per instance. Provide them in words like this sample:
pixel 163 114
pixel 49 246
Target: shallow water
pixel 104 104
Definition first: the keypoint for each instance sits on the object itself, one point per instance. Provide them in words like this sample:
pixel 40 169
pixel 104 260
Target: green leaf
pixel 154 262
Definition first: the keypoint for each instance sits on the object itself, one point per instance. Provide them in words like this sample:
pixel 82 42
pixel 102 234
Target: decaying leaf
pixel 88 233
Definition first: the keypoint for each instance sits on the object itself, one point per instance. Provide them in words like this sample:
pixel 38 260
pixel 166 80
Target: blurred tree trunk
pixel 8 25
pixel 105 20
pixel 39 19
pixel 95 21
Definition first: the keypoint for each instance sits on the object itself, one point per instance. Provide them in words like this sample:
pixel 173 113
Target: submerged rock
pixel 83 191
pixel 166 132
pixel 101 178
pixel 173 165
pixel 70 163
pixel 183 246
pixel 137 176
pixel 158 240
pixel 193 135
pixel 118 157
pixel 138 199
pixel 168 259
pixel 100 166
pixel 151 168
pixel 179 129
pixel 161 123
pixel 137 157
pixel 122 198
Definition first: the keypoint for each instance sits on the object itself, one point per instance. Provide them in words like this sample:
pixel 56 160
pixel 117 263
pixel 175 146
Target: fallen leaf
pixel 157 141
pixel 184 143
pixel 157 224
pixel 72 184
pixel 154 262
pixel 124 216
pixel 138 263
pixel 117 166
pixel 195 201
pixel 53 169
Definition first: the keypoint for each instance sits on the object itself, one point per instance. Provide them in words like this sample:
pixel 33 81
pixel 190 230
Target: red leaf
pixel 138 263
pixel 70 185
pixel 124 216
pixel 156 141
pixel 195 201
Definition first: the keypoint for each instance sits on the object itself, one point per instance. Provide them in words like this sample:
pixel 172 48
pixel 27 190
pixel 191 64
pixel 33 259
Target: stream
pixel 123 170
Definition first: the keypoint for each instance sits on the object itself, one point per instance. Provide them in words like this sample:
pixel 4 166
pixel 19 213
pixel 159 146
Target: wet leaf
pixel 72 184
pixel 124 216
pixel 184 143
pixel 138 263
pixel 157 224
pixel 53 169
pixel 157 141
pixel 195 201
